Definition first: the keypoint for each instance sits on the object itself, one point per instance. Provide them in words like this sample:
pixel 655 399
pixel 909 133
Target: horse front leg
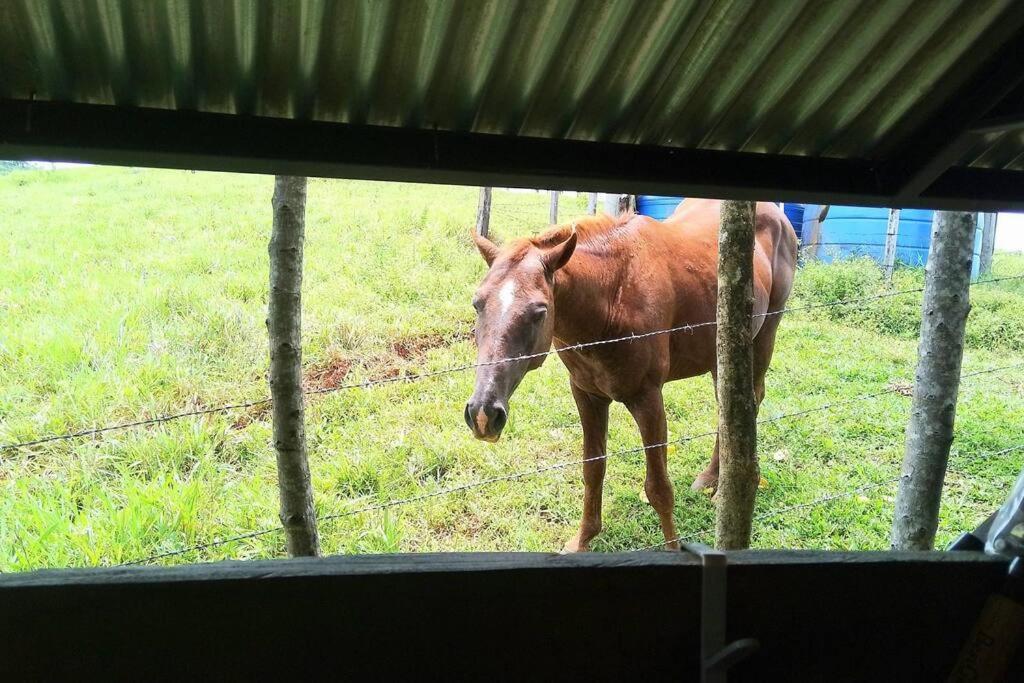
pixel 648 409
pixel 593 412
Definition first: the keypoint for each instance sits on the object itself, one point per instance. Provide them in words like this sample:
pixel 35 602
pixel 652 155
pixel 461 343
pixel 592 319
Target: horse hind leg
pixel 708 479
pixel 764 345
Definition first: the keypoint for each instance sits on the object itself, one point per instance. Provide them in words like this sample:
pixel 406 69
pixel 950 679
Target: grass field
pixel 127 294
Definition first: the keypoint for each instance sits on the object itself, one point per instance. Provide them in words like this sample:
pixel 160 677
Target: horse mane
pixel 588 229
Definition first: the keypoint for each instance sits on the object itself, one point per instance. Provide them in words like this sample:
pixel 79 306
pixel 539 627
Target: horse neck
pixel 582 302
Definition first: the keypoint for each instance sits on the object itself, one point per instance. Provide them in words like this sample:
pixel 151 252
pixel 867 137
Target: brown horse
pixel 603 278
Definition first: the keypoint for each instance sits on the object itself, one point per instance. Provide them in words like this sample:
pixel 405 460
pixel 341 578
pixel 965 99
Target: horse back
pixel 776 251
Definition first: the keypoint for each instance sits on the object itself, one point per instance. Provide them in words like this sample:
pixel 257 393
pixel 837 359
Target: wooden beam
pixel 999 124
pixel 193 140
pixel 495 616
pixel 553 208
pixel 131 136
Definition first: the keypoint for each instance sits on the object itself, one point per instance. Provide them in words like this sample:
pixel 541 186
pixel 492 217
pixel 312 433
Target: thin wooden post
pixel 592 203
pixel 737 412
pixel 627 202
pixel 889 257
pixel 930 431
pixel 284 324
pixel 813 233
pixel 553 211
pixel 483 212
pixel 988 242
pixel 611 204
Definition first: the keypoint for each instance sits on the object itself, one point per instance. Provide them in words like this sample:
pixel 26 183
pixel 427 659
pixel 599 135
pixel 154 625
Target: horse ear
pixel 488 249
pixel 557 256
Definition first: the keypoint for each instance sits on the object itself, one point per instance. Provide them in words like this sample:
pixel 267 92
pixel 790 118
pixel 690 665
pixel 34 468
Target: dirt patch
pixel 417 347
pixel 329 376
pixel 332 374
pixel 902 388
pixel 256 413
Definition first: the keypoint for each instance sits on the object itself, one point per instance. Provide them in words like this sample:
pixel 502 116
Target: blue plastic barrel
pixel 795 214
pixel 657 206
pixel 860 231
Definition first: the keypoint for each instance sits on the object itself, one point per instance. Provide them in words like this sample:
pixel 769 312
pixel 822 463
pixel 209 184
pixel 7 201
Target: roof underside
pixel 885 96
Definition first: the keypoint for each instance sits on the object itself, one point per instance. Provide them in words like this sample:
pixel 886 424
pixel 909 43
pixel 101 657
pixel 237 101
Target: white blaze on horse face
pixel 507 295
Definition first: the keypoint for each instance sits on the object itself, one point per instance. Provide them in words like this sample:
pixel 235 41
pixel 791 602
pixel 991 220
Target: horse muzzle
pixel 486 419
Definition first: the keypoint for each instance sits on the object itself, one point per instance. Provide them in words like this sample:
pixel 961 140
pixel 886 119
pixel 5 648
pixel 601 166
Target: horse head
pixel 514 320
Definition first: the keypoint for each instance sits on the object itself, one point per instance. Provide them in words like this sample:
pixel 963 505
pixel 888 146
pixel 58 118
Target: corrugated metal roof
pixel 807 77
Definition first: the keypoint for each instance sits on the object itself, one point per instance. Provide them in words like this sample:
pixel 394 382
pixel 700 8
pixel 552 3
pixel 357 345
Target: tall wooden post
pixel 889 257
pixel 483 212
pixel 930 431
pixel 814 216
pixel 737 410
pixel 553 211
pixel 284 324
pixel 988 242
pixel 592 203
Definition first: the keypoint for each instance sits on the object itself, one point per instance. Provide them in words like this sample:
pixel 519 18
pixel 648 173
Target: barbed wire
pixel 813 503
pixel 415 377
pixel 138 423
pixel 522 474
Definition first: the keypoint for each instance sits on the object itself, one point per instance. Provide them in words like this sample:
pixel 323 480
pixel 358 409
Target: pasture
pixel 127 294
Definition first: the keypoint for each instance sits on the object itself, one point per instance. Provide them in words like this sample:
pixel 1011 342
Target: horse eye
pixel 539 312
pixel 478 304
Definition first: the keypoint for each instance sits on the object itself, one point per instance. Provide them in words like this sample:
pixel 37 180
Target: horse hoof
pixel 704 481
pixel 572 547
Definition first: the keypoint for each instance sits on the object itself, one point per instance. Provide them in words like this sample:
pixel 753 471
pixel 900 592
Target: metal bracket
pixel 715 655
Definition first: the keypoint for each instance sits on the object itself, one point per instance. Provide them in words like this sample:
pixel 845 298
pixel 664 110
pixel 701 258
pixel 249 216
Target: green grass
pixel 131 293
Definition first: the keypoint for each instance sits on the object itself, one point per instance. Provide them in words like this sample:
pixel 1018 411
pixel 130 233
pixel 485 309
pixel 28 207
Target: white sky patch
pixel 506 296
pixel 1010 232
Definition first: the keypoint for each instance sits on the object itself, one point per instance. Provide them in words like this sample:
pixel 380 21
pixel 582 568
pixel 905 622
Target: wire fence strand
pixel 813 503
pixel 523 474
pixel 415 377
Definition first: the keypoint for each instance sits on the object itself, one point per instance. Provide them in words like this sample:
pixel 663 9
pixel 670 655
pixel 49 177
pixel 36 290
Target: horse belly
pixel 620 373
pixel 691 354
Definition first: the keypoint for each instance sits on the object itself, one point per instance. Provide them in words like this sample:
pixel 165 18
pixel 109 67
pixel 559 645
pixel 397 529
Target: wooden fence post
pixel 930 430
pixel 889 257
pixel 592 203
pixel 627 202
pixel 611 204
pixel 814 216
pixel 483 212
pixel 988 242
pixel 284 324
pixel 553 211
pixel 737 412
